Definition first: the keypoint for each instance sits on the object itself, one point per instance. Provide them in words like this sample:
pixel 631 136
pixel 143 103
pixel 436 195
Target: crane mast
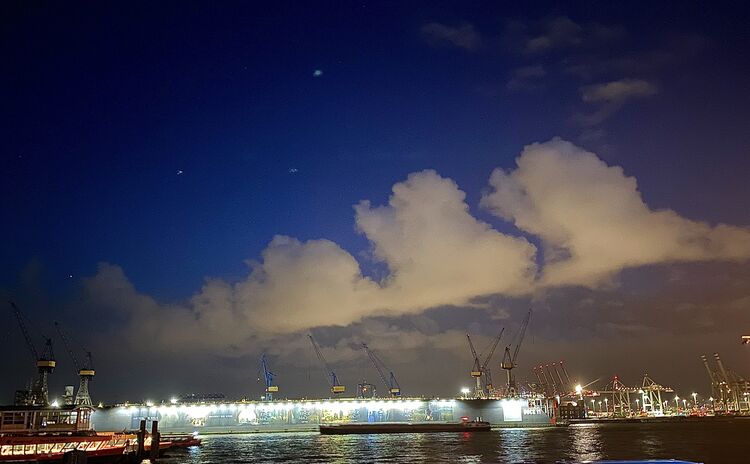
pixel 476 370
pixel 85 372
pixel 331 376
pixel 509 360
pixel 45 363
pixel 390 382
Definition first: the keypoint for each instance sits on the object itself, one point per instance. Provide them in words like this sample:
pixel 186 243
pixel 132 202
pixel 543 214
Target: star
pixel 293 170
pixel 317 73
pixel 179 172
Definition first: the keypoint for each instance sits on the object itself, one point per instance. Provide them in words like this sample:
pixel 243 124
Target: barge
pixel 405 427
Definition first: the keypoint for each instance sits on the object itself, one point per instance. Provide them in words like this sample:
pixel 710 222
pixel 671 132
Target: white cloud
pixel 462 36
pixel 436 251
pixel 589 216
pixel 593 221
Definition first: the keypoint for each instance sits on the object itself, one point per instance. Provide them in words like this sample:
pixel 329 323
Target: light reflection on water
pixel 698 442
pixel 587 443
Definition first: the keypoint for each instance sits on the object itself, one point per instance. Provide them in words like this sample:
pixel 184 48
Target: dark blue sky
pixel 175 139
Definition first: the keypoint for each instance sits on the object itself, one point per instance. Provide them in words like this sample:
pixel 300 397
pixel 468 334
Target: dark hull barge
pixel 393 427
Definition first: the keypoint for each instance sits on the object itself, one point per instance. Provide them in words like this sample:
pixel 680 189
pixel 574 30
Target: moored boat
pixel 39 434
pixel 47 434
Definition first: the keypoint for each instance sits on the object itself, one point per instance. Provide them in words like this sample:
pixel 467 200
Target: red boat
pixel 35 433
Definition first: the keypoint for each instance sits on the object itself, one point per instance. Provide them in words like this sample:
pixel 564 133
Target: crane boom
pixel 24 331
pixel 390 382
pixel 331 376
pixel 68 348
pixel 492 349
pixel 524 325
pixel 375 363
pixel 476 371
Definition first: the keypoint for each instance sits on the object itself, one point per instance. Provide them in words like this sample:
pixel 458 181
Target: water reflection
pixel 586 442
pixel 695 442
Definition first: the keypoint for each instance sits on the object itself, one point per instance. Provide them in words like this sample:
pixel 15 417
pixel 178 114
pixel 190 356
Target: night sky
pixel 189 185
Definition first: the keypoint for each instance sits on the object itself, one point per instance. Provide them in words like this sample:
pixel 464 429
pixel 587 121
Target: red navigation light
pixel 465 418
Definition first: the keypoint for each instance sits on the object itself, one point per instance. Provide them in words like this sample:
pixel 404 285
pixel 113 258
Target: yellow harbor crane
pixel 509 361
pixel 45 364
pixel 85 371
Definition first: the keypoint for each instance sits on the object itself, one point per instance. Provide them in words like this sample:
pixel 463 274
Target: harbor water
pixel 722 442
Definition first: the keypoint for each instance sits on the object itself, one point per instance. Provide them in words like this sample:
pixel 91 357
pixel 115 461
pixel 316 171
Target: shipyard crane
pixel 45 363
pixel 268 377
pixel 85 371
pixel 331 376
pixel 390 382
pixel 486 364
pixel 481 369
pixel 509 361
pixel 476 370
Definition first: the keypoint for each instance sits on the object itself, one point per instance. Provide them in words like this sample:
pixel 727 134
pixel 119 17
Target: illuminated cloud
pixel 618 91
pixel 436 252
pixel 609 97
pixel 589 217
pixel 593 221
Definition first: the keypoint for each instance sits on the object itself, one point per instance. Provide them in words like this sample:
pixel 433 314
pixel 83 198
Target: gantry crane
pixel 333 380
pixel 390 382
pixel 509 361
pixel 481 368
pixel 85 371
pixel 268 377
pixel 45 363
pixel 730 390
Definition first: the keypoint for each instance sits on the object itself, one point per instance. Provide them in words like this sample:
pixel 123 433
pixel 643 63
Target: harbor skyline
pixel 188 188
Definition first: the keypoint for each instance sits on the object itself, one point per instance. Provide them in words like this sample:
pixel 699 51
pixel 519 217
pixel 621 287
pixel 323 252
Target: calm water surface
pixel 708 443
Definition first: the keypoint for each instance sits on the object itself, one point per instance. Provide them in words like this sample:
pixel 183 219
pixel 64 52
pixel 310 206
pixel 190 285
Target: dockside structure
pixel 261 416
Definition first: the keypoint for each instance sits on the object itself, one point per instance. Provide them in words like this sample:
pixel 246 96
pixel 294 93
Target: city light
pixel 173 400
